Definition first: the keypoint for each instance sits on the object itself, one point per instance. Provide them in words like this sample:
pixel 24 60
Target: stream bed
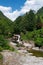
pixel 12 58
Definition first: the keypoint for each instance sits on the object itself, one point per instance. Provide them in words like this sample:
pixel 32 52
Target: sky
pixel 14 8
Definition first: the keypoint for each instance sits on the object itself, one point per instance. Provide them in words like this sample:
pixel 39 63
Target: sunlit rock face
pixel 12 58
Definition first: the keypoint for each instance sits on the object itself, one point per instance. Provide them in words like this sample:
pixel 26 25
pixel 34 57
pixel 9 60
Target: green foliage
pixel 8 48
pixel 30 24
pixel 11 49
pixel 39 41
pixel 1 59
pixel 1 49
pixel 38 23
pixel 1 56
pixel 4 44
pixel 32 21
pixel 3 41
pixel 6 25
pixel 25 23
pixel 36 35
pixel 40 12
pixel 17 25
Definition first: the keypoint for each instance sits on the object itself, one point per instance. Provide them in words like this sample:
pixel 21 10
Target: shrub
pixel 1 56
pixel 39 42
pixel 3 41
pixel 1 48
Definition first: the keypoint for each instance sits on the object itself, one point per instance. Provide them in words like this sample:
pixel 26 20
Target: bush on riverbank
pixel 4 44
pixel 1 59
pixel 1 56
pixel 1 48
pixel 36 35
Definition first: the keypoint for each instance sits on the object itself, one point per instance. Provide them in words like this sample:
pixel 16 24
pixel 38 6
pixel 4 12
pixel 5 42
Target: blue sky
pixel 15 4
pixel 14 8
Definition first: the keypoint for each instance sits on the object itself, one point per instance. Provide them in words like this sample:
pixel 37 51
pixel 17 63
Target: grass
pixel 1 59
pixel 36 53
pixel 1 56
pixel 7 48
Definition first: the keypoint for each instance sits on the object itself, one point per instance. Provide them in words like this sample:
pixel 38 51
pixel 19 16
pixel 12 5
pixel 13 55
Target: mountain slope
pixel 40 11
pixel 27 22
pixel 5 24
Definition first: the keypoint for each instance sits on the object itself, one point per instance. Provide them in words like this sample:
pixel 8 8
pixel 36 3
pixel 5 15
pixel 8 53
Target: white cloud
pixel 12 15
pixel 8 12
pixel 29 4
pixel 5 9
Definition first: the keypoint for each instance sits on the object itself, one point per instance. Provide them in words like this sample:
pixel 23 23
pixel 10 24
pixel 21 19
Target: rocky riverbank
pixel 12 58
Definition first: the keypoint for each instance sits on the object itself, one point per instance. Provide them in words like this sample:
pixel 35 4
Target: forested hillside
pixel 6 25
pixel 6 30
pixel 30 24
pixel 29 21
pixel 40 11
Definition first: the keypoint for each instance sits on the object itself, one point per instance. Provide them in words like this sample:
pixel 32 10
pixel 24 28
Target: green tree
pixel 32 21
pixel 38 23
